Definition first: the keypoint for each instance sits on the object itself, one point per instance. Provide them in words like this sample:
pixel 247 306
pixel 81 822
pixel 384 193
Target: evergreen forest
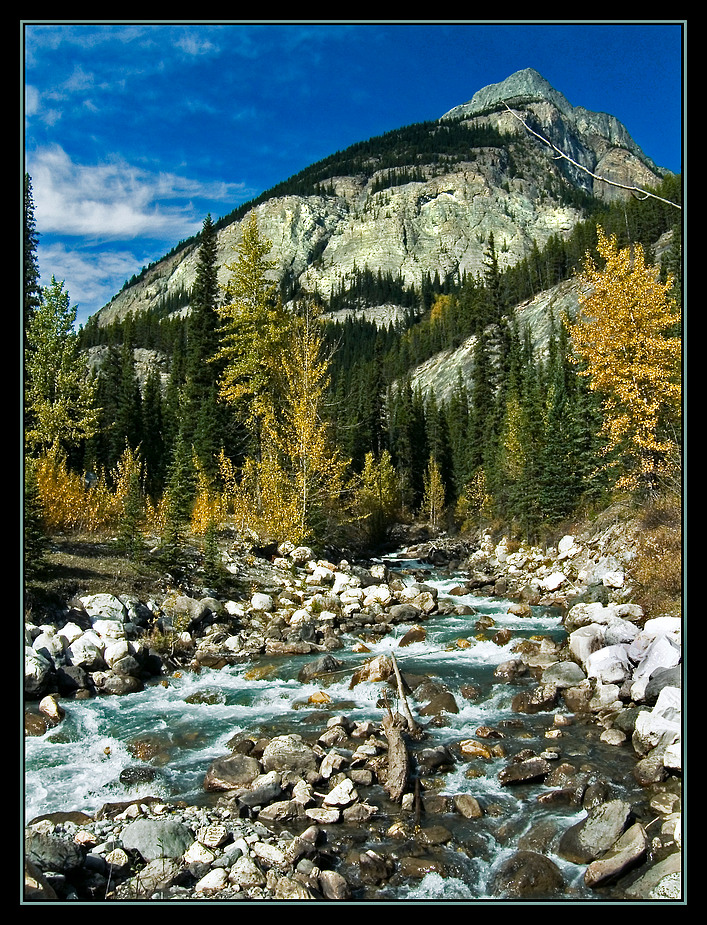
pixel 267 414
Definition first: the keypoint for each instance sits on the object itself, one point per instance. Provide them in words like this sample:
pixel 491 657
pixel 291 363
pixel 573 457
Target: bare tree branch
pixel 641 193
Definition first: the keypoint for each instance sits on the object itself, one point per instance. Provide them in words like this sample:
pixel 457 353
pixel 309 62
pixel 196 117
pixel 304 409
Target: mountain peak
pixel 524 86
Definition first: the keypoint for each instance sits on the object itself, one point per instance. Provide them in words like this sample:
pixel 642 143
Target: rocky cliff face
pixel 442 222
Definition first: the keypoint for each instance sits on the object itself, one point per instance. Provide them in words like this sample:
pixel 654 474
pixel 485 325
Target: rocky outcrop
pixel 595 140
pixel 441 222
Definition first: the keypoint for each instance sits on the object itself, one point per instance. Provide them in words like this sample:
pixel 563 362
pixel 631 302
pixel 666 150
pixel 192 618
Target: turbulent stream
pixel 77 765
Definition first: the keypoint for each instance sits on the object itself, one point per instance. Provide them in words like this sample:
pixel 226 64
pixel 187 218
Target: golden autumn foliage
pixel 71 503
pixel 377 494
pixel 475 503
pixel 209 507
pixel 627 335
pixel 657 566
pixel 251 327
pixel 298 477
pixel 434 494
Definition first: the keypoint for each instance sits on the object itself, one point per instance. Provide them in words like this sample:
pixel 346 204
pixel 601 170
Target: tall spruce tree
pixel 31 289
pixel 456 411
pixel 203 416
pixel 128 419
pixel 153 441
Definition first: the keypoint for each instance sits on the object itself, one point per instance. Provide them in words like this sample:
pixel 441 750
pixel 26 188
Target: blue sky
pixel 135 131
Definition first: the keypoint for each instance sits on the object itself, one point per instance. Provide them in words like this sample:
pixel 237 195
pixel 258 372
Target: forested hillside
pixel 274 418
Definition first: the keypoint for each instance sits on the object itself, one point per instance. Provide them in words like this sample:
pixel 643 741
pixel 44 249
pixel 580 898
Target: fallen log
pixel 412 726
pixel 398 758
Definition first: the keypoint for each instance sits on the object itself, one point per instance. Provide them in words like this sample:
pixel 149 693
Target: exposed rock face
pixel 441 222
pixel 595 140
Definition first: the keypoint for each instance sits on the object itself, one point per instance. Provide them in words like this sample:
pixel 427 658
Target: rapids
pixel 171 732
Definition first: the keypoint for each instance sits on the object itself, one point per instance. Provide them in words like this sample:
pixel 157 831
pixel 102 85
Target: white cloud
pixel 91 278
pixel 194 44
pixel 116 200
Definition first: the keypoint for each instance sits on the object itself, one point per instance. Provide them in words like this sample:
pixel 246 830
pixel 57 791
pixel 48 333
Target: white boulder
pixel 37 668
pixel 659 728
pixel 86 652
pixel 554 581
pixel 105 606
pixel 262 601
pixel 610 665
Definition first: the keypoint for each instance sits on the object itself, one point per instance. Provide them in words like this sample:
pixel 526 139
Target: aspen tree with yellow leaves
pixel 378 500
pixel 627 336
pixel 276 372
pixel 434 495
pixel 299 438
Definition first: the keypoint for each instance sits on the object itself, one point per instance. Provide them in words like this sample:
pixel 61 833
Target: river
pixel 189 719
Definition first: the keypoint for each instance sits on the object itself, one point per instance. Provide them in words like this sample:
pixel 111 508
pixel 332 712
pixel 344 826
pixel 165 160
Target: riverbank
pixel 616 677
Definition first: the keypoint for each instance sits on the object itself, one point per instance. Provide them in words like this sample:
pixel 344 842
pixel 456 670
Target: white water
pixel 77 765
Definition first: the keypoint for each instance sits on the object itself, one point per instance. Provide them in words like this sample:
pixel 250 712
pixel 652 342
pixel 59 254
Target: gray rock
pixel 593 836
pixel 522 772
pixel 538 700
pixel 628 849
pixel 333 885
pixel 157 838
pixel 290 753
pixel 155 877
pixel 527 874
pixel 52 853
pixel 263 790
pixel 662 880
pixel 231 772
pixel 563 675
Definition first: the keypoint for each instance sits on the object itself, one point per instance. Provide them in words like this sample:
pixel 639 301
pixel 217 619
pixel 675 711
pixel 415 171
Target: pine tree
pixel 128 412
pixel 153 443
pixel 32 292
pixel 203 417
pixel 408 441
pixel 130 496
pixel 179 494
pixel 437 439
pixel 34 531
pixel 60 394
pixel 482 401
pixel 457 423
pixel 493 279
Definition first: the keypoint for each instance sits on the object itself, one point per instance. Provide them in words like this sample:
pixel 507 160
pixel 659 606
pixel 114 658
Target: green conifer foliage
pixel 204 420
pixel 252 328
pixel 60 395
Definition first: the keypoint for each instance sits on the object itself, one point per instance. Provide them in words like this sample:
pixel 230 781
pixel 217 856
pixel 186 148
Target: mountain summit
pixel 424 200
pixel 520 88
pixel 528 91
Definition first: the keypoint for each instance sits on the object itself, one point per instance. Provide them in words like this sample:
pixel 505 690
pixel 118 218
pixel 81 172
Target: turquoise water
pixel 188 721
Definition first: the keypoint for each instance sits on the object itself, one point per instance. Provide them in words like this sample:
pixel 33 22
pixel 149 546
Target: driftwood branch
pixel 413 728
pixel 394 726
pixel 636 190
pixel 398 758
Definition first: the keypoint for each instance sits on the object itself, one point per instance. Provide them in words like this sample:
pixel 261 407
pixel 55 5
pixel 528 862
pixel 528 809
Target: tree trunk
pixel 398 759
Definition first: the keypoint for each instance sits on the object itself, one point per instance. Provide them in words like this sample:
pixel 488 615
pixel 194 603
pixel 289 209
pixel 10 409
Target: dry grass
pixel 658 565
pixel 77 566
